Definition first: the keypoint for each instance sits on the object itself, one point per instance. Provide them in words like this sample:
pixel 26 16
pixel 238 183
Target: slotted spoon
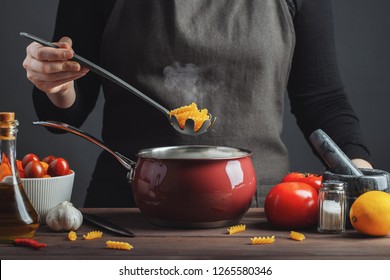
pixel 189 127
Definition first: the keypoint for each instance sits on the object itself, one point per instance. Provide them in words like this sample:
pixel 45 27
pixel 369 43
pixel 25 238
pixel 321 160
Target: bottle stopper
pixel 7 116
pixel 7 125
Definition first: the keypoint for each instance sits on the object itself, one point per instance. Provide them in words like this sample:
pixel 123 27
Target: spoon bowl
pixel 189 126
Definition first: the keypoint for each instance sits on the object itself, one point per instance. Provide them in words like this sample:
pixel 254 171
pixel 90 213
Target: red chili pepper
pixel 28 242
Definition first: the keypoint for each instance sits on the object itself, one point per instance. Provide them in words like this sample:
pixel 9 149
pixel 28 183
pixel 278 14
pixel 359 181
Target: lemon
pixel 370 213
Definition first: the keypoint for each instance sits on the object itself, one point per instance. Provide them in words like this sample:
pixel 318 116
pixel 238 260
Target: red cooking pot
pixel 194 186
pixel 187 186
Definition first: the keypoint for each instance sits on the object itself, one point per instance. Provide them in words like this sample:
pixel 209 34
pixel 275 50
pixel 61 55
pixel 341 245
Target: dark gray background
pixel 362 43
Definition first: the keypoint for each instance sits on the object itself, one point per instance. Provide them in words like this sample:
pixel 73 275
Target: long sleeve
pixel 84 22
pixel 316 92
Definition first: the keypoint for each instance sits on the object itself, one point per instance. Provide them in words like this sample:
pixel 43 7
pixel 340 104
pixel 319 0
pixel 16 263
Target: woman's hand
pixel 52 71
pixel 361 163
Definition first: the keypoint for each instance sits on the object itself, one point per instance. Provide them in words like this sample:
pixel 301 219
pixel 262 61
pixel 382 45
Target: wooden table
pixel 155 242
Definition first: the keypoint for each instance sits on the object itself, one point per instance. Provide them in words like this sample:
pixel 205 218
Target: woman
pixel 235 58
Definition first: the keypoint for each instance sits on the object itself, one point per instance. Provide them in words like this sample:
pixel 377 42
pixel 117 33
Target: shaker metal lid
pixel 333 184
pixel 194 152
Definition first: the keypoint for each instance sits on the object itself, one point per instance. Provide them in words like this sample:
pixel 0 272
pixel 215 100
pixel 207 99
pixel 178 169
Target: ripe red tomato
pixel 29 157
pixel 34 169
pixel 311 179
pixel 292 205
pixel 49 159
pixel 58 167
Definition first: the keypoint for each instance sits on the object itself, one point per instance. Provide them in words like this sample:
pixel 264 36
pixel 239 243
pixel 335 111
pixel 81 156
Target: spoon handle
pixel 100 71
pixel 337 161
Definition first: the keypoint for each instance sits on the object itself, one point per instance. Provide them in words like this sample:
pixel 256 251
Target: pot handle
pixel 126 162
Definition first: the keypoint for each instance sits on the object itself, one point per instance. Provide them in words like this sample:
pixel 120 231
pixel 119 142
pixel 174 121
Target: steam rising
pixel 182 78
pixel 190 82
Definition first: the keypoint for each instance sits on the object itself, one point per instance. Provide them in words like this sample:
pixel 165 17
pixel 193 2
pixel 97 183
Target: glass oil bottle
pixel 18 218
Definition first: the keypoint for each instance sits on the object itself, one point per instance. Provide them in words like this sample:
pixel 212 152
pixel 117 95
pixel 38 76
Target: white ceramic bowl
pixel 45 193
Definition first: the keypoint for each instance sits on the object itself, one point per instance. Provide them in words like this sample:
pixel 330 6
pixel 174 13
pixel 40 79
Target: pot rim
pixel 194 152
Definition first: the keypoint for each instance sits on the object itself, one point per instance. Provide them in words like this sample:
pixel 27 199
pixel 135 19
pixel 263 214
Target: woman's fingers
pixel 39 52
pixel 65 43
pixel 55 86
pixel 41 72
pixel 45 77
pixel 51 68
pixel 47 67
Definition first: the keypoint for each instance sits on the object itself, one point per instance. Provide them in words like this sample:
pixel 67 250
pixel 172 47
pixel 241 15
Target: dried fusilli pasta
pixel 236 229
pixel 297 236
pixel 118 245
pixel 93 235
pixel 72 236
pixel 190 112
pixel 262 240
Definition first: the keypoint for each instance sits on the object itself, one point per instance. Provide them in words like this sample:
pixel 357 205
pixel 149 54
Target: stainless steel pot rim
pixel 194 152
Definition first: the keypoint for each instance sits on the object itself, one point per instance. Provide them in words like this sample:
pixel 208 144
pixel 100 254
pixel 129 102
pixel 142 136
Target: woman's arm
pixel 315 89
pixel 83 22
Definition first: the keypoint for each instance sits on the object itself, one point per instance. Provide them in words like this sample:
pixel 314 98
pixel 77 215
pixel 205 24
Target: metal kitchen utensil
pixel 126 162
pixel 189 127
pixel 336 160
pixel 103 223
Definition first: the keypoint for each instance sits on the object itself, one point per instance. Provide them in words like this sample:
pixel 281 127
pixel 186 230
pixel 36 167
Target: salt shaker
pixel 331 207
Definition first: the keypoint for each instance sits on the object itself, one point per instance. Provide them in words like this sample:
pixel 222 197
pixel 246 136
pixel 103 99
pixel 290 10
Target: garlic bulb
pixel 64 216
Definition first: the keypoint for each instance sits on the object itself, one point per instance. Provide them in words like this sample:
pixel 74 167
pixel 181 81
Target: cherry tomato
pixel 311 179
pixel 34 169
pixel 58 167
pixel 292 205
pixel 49 159
pixel 29 157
